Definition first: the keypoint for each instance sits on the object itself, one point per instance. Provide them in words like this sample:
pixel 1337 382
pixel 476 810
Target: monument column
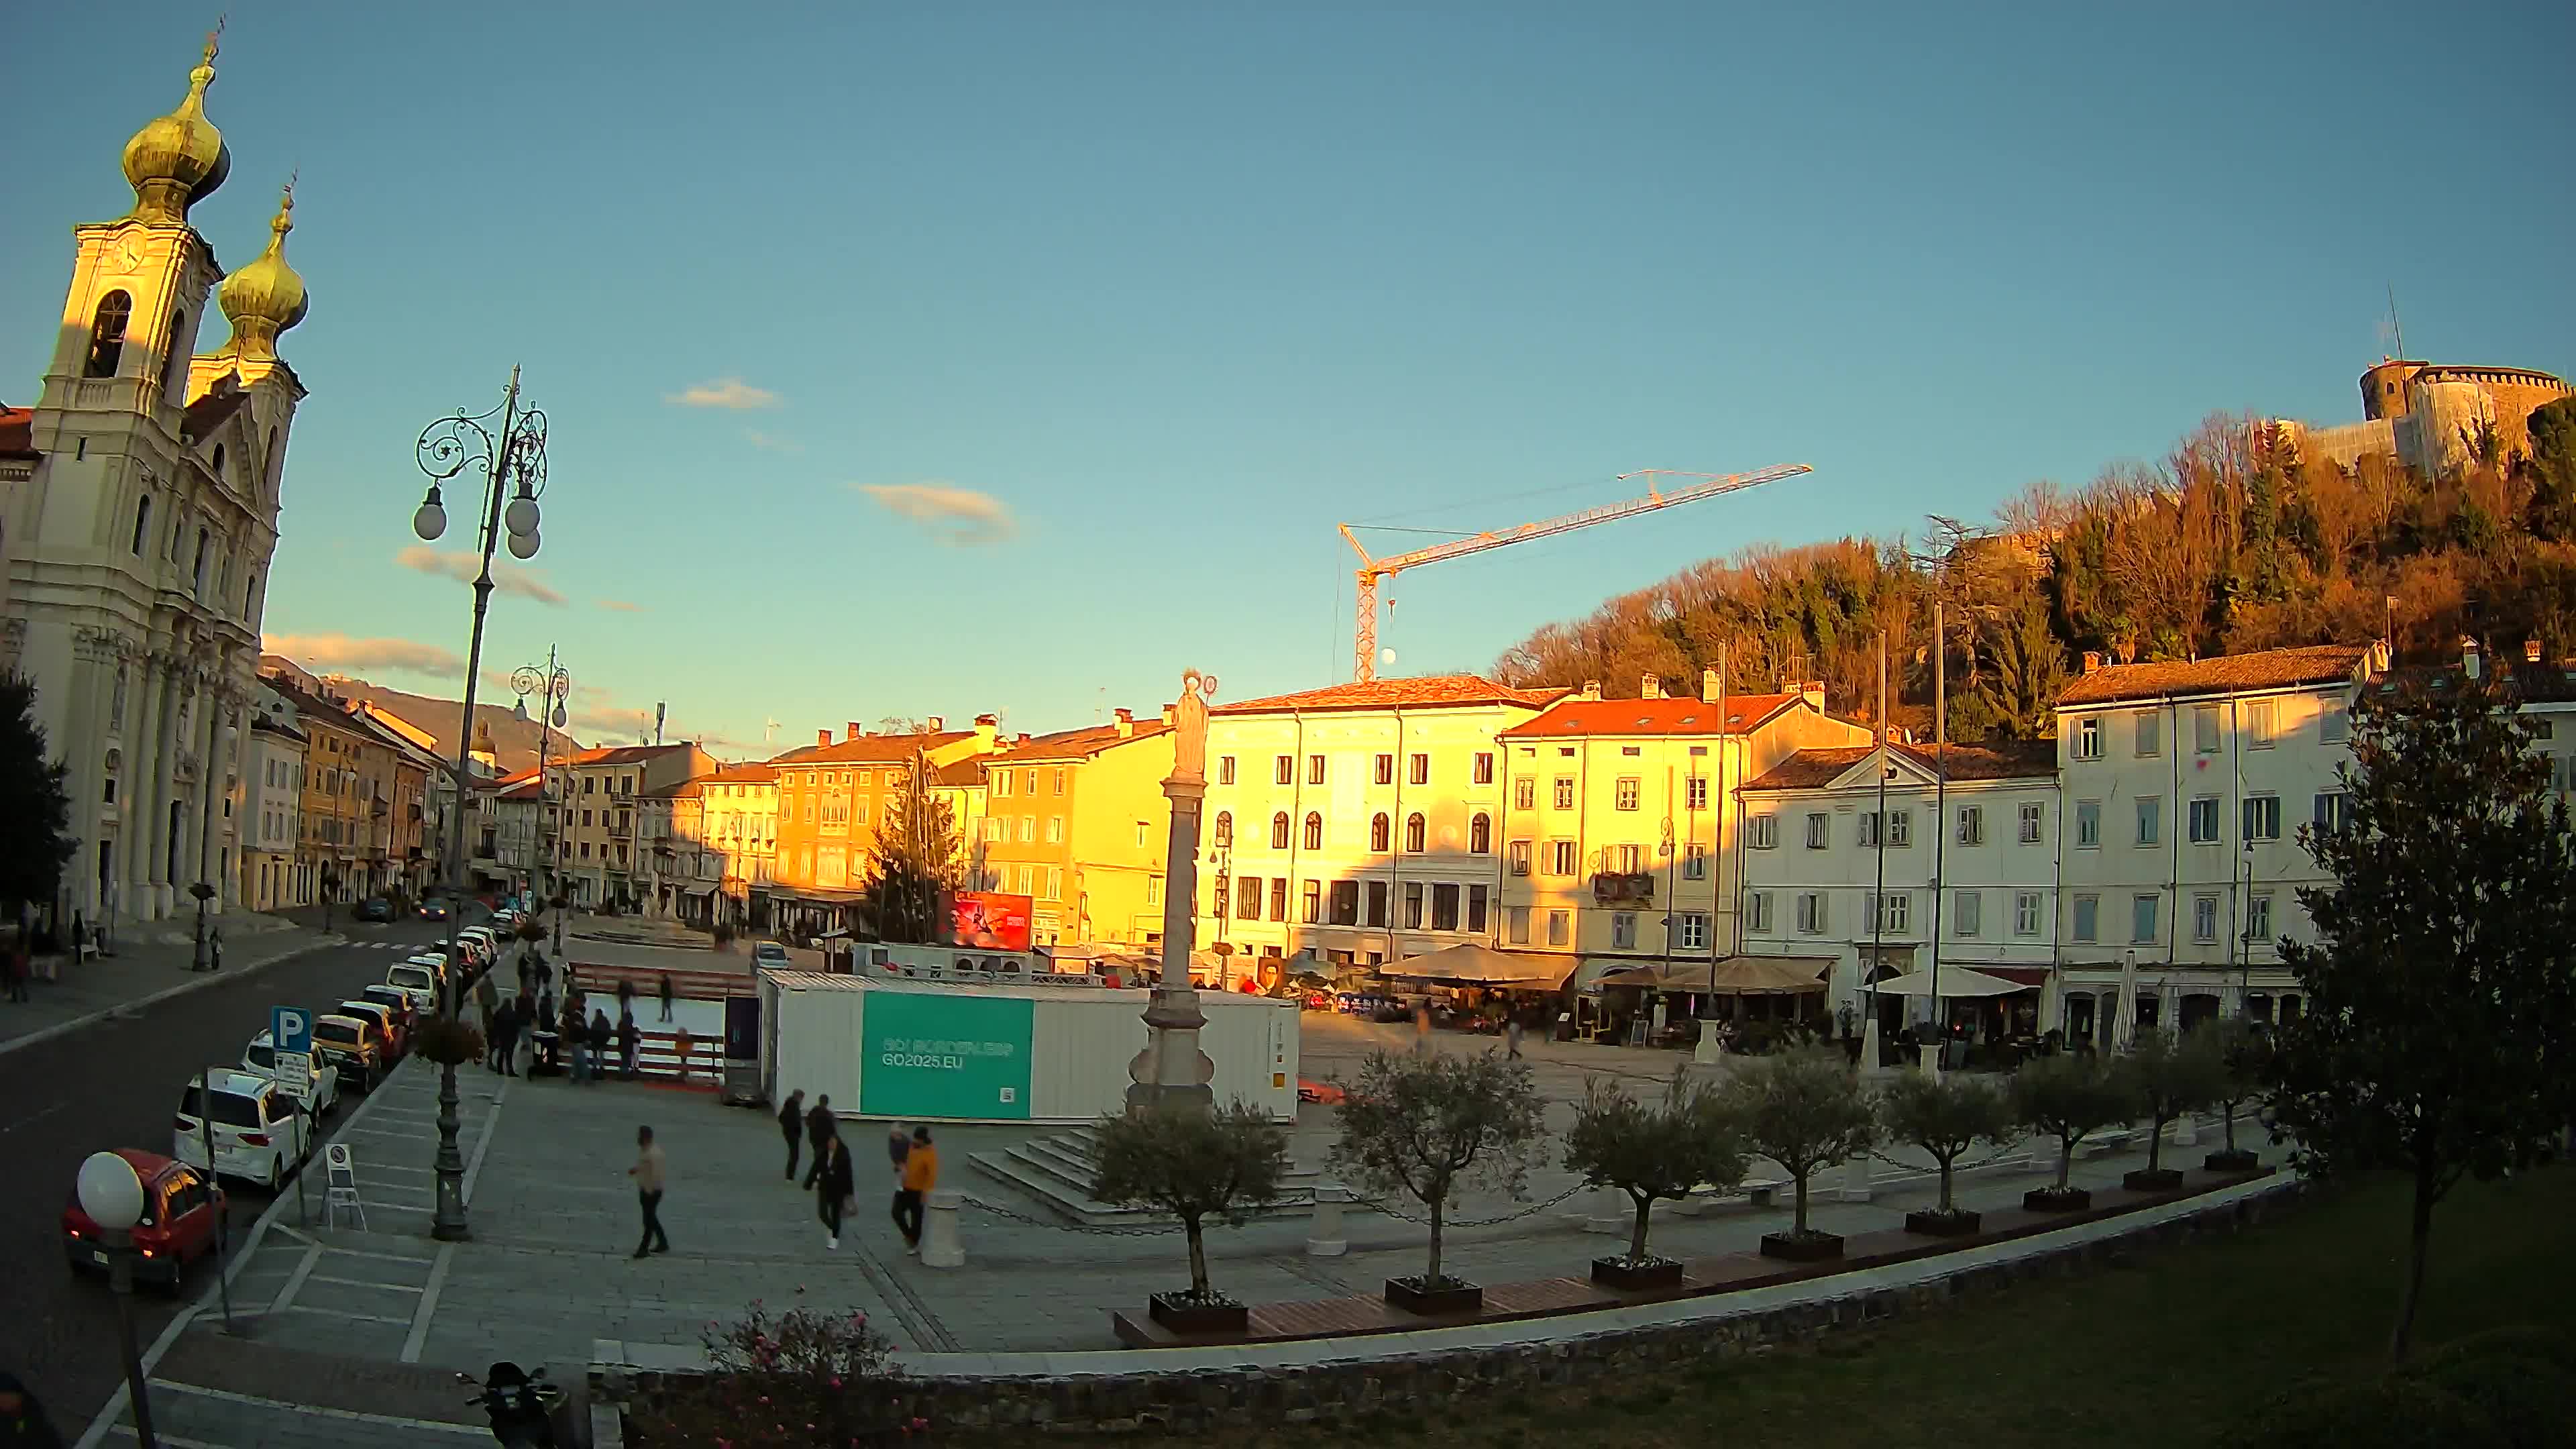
pixel 1171 1071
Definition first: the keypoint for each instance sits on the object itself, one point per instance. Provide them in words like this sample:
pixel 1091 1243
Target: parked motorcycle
pixel 521 1405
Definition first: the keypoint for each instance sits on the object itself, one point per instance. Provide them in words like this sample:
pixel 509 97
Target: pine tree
pixel 914 860
pixel 35 803
pixel 2439 1040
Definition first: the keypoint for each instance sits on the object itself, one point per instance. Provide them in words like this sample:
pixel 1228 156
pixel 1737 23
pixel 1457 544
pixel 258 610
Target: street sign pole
pixel 290 1039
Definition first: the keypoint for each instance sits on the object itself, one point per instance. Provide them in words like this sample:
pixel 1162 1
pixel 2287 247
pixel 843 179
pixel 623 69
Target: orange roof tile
pixel 1423 691
pixel 2228 674
pixel 869 748
pixel 1080 744
pixel 624 754
pixel 2004 760
pixel 18 433
pixel 1640 717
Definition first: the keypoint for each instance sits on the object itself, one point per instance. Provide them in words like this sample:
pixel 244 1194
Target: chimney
pixel 937 724
pixel 986 726
pixel 2531 650
pixel 822 737
pixel 1708 686
pixel 1126 722
pixel 854 730
pixel 2092 661
pixel 1591 689
pixel 1171 714
pixel 2470 664
pixel 1022 739
pixel 1650 687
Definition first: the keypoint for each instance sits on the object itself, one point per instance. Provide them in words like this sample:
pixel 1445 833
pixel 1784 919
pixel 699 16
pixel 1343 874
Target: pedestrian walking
pixel 602 1037
pixel 23 1424
pixel 630 1042
pixel 687 1046
pixel 898 1147
pixel 791 1125
pixel 832 1188
pixel 625 997
pixel 215 945
pixel 573 1035
pixel 15 967
pixel 920 1175
pixel 1421 1026
pixel 1512 1035
pixel 648 1175
pixel 666 996
pixel 487 1002
pixel 820 1127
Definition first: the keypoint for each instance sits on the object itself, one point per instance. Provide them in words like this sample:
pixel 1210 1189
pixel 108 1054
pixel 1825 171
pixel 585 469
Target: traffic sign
pixel 290 1029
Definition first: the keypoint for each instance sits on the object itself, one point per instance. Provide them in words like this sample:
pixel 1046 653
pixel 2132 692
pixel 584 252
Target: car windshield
pixel 231 1108
pixel 343 1032
pixel 262 1057
pixel 408 976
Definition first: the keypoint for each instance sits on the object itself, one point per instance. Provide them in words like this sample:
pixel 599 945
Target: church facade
pixel 137 527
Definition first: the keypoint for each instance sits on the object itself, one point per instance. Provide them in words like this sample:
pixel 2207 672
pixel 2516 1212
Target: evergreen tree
pixel 914 860
pixel 2440 1036
pixel 35 803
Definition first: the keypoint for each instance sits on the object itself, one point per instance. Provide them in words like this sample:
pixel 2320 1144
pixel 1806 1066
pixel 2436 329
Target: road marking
pixel 427 1308
pixel 368 1283
pixel 380 1257
pixel 35 1117
pixel 483 1144
pixel 173 1440
pixel 479 1431
pixel 340 1313
pixel 295 1280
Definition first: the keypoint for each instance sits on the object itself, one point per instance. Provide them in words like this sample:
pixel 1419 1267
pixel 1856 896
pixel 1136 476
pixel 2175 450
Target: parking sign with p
pixel 290 1035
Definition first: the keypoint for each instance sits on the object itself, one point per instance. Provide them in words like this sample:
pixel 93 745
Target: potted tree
pixel 1425 1126
pixel 2243 1053
pixel 1650 1151
pixel 1804 1110
pixel 2171 1075
pixel 1945 1115
pixel 2070 1097
pixel 1194 1165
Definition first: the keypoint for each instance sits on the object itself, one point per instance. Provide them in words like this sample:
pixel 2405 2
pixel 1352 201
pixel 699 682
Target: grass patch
pixel 2190 1338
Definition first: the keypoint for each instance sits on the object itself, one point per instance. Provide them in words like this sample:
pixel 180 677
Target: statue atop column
pixel 1171 1071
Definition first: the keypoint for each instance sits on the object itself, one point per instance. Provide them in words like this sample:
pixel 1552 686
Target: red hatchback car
pixel 182 1213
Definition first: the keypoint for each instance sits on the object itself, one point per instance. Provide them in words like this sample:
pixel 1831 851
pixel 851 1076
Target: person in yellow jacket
pixel 920 1175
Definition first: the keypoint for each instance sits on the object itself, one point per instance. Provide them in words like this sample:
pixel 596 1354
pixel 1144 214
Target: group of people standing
pixel 834 1182
pixel 582 1032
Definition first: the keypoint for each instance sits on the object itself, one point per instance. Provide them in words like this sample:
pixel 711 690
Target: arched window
pixel 1279 831
pixel 271 461
pixel 1314 831
pixel 250 597
pixel 107 334
pixel 174 371
pixel 219 462
pixel 1225 827
pixel 199 572
pixel 142 523
pixel 1378 831
pixel 1413 832
pixel 1480 835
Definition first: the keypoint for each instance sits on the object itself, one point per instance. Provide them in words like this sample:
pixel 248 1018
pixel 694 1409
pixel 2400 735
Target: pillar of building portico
pixel 148 785
pixel 87 731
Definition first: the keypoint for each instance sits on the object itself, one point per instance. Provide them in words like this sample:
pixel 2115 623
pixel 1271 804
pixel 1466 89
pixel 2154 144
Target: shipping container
pixel 926 1051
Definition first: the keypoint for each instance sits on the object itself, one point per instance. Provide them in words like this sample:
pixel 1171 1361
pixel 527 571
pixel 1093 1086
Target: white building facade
pixel 272 806
pixel 1959 869
pixel 2185 785
pixel 1359 823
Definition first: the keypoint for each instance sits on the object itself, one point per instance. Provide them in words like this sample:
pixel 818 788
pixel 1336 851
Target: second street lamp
pixel 515 456
pixel 554 684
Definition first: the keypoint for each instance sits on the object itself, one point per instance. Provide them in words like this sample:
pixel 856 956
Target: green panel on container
pixel 946 1055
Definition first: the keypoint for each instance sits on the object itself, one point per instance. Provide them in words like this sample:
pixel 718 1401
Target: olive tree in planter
pixel 2242 1051
pixel 1655 1150
pixel 2069 1096
pixel 1195 1165
pixel 1946 1115
pixel 1805 1111
pixel 1426 1125
pixel 2171 1075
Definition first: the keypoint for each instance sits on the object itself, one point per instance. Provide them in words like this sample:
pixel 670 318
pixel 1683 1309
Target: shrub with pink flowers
pixel 800 1379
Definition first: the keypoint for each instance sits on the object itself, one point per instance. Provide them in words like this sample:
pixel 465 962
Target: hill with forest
pixel 2232 543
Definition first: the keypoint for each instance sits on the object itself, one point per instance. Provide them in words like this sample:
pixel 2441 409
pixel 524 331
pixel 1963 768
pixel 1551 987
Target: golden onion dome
pixel 266 297
pixel 180 158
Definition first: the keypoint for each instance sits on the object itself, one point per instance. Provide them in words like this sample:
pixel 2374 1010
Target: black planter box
pixel 1451 1298
pixel 1199 1318
pixel 1637 1277
pixel 1815 1247
pixel 2158 1179
pixel 2056 1200
pixel 1956 1224
pixel 2238 1160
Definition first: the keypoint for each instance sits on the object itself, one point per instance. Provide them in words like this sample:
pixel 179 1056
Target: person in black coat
pixel 820 1127
pixel 630 1042
pixel 834 1186
pixel 791 1125
pixel 602 1036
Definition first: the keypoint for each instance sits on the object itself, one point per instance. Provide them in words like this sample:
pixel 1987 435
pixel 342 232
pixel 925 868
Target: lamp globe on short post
pixel 113 1197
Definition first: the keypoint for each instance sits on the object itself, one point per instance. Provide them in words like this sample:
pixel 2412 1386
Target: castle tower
pixel 139 546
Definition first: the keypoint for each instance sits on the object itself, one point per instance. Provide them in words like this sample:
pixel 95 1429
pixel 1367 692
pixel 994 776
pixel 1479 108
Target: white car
pixel 436 963
pixel 418 981
pixel 260 1060
pixel 258 1133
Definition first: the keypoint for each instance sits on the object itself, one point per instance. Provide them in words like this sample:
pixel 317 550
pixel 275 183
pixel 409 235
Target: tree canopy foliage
pixel 2232 543
pixel 35 802
pixel 916 856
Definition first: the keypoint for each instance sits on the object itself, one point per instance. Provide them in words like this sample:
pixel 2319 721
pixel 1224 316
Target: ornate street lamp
pixel 554 684
pixel 514 457
pixel 113 1197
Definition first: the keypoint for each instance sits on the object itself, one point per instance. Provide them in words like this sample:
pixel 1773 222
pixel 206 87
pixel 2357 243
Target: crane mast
pixel 1372 570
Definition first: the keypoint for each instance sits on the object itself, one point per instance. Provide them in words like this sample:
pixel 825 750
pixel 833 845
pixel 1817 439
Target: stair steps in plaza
pixel 1057 1171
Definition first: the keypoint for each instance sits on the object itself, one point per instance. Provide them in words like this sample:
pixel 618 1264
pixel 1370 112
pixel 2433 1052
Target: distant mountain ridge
pixel 514 740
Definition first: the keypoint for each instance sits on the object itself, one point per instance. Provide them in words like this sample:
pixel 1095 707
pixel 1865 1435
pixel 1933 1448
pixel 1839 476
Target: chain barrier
pixel 1446 1223
pixel 1110 1230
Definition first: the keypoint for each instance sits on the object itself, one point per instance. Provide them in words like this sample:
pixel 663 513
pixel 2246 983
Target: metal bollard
pixel 939 1245
pixel 1855 1185
pixel 1609 1212
pixel 1324 1237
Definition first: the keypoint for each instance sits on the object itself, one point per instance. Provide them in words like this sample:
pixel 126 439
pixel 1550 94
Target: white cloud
pixel 771 442
pixel 731 393
pixel 319 652
pixel 961 516
pixel 507 577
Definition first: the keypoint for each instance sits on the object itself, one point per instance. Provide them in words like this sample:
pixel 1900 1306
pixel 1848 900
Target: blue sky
pixel 1177 287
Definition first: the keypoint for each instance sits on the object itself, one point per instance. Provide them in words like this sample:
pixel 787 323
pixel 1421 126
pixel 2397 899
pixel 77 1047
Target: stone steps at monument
pixel 1058 1171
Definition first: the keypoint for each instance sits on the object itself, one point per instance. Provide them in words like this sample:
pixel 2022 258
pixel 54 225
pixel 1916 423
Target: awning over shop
pixel 1955 981
pixel 1734 976
pixel 1474 965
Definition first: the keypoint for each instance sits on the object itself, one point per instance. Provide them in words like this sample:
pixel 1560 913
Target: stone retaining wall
pixel 1148 1401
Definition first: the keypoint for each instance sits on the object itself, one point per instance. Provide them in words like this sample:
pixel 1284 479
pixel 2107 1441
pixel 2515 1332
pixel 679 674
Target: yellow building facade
pixel 1620 841
pixel 832 797
pixel 1077 821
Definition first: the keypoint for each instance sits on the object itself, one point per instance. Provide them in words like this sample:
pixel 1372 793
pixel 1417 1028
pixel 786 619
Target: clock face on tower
pixel 129 253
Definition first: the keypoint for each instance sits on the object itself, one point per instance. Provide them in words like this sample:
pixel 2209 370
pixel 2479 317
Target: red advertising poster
pixel 990 920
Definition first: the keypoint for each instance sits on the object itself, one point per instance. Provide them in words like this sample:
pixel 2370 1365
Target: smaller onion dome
pixel 265 297
pixel 180 158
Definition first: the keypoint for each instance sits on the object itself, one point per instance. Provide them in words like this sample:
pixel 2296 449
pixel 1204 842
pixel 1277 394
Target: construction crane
pixel 1371 570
